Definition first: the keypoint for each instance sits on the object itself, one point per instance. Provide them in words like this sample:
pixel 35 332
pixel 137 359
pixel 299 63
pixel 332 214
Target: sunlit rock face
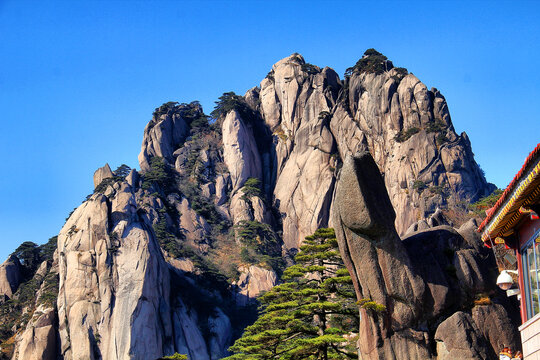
pixel 116 285
pixel 10 277
pixel 317 120
pixel 120 279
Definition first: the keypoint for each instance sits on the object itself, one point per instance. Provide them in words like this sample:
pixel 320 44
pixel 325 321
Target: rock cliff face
pixel 10 277
pixel 175 254
pixel 430 283
pixel 117 286
pixel 38 339
pixel 317 120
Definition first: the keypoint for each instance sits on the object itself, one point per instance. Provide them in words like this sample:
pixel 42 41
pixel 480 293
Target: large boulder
pixel 428 282
pixel 168 129
pixel 363 218
pixel 497 325
pixel 38 340
pixel 10 276
pixel 458 338
pixel 116 285
pixel 408 130
pixel 296 106
pixel 102 173
pixel 252 282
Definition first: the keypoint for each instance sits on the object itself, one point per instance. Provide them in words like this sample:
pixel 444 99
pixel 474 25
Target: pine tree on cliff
pixel 311 315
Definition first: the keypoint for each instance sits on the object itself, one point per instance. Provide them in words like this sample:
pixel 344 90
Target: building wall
pixel 530 338
pixel 527 229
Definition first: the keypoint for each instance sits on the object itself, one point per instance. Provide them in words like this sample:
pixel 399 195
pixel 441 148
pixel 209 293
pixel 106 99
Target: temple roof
pixel 522 192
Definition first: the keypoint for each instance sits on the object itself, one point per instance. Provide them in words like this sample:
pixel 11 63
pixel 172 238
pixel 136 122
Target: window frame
pixel 527 291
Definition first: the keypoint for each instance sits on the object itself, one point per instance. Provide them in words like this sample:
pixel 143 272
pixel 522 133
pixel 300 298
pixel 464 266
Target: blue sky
pixel 79 79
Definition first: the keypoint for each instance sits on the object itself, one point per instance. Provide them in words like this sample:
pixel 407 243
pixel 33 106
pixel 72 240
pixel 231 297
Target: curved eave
pixel 507 214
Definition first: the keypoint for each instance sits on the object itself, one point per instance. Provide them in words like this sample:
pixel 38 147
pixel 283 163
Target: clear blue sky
pixel 79 79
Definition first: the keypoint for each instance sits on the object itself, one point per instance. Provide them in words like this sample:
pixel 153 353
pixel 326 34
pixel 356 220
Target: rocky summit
pixel 171 258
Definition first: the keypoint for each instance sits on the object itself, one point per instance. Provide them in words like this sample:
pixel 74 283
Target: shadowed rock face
pixel 372 251
pixel 427 282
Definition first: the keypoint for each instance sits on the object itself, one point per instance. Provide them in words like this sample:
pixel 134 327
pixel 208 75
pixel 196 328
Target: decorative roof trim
pixel 512 193
pixel 510 187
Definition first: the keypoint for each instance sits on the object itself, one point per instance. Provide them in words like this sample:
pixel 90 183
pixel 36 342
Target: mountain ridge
pixel 265 169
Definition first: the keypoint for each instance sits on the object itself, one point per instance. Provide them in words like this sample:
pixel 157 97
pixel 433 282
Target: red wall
pixel 525 231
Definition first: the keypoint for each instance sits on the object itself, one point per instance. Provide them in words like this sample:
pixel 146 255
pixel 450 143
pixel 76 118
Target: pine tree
pixel 175 356
pixel 311 315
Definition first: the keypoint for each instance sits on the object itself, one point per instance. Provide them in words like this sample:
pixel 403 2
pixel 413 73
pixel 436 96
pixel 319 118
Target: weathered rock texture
pixel 102 173
pixel 163 134
pixel 253 281
pixel 431 168
pixel 10 277
pixel 116 287
pixel 148 256
pixel 421 280
pixel 316 120
pixel 37 340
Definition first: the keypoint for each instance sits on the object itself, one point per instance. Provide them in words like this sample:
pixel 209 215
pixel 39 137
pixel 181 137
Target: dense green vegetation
pixel 30 255
pixel 419 185
pixel 436 126
pixel 160 174
pixel 165 108
pixel 310 69
pixel 166 239
pixel 479 208
pixel 405 135
pixel 260 245
pixel 230 101
pixel 175 356
pixel 372 62
pixel 252 187
pixel 311 315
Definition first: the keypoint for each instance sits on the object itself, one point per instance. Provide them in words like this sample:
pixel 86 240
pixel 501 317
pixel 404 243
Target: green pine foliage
pixel 175 356
pixel 165 108
pixel 405 135
pixel 252 187
pixel 310 69
pixel 16 312
pixel 28 254
pixel 419 185
pixel 160 174
pixel 230 101
pixel 479 208
pixel 311 315
pixel 260 245
pixel 372 62
pixel 122 171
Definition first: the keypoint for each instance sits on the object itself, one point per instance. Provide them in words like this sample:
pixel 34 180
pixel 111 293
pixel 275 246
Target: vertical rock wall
pixel 118 286
pixel 425 287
